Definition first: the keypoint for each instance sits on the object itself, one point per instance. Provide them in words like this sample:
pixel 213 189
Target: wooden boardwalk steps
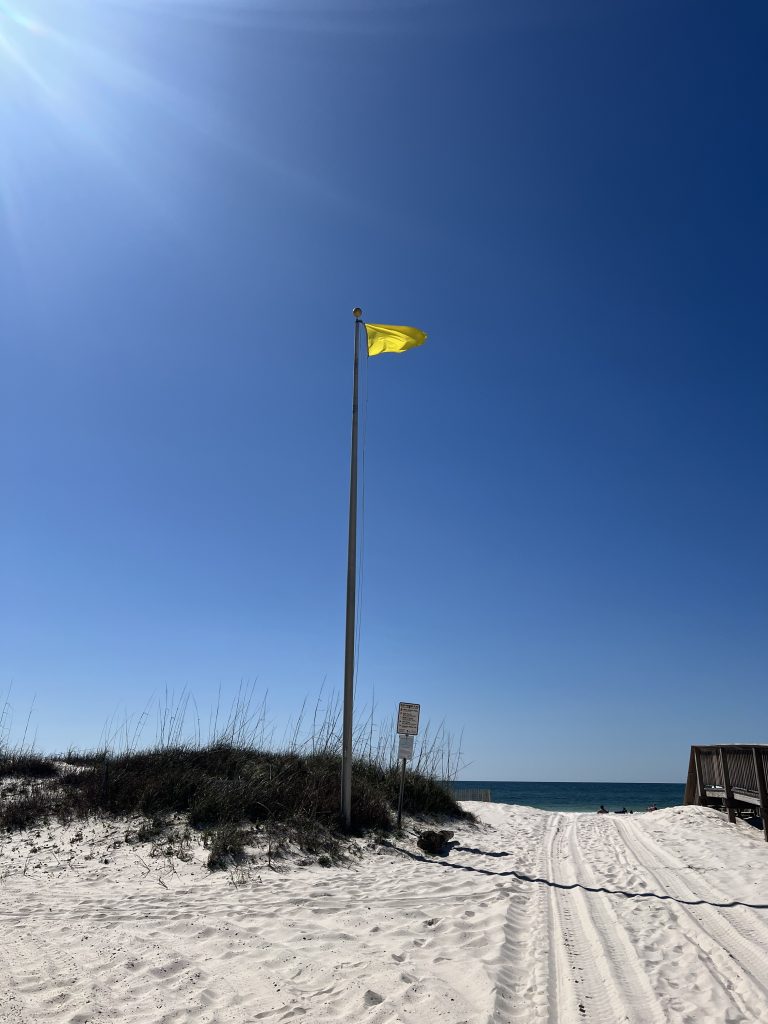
pixel 733 776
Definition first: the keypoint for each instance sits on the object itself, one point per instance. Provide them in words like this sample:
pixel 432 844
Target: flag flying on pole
pixel 386 338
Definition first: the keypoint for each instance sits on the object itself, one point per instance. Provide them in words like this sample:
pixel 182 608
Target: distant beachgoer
pixel 602 809
pixel 652 807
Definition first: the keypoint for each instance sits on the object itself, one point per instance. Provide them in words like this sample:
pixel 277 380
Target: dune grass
pixel 233 786
pixel 218 789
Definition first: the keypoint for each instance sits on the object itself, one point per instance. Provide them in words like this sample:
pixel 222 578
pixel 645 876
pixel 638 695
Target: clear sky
pixel 566 553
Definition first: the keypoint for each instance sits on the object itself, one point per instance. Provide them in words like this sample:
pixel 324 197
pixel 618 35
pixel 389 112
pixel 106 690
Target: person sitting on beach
pixel 602 809
pixel 652 807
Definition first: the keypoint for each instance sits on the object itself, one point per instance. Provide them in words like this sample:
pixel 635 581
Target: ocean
pixel 581 796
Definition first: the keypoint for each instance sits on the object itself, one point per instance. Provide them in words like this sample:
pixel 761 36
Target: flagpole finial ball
pixel 357 312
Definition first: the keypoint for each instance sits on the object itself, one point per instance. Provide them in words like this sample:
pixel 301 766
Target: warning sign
pixel 408 719
pixel 405 748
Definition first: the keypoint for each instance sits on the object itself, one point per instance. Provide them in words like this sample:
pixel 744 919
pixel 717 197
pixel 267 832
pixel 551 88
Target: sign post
pixel 407 728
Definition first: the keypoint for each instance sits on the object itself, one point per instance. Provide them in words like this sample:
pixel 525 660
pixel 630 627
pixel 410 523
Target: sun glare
pixel 74 82
pixel 10 13
pixel 17 31
pixel 112 90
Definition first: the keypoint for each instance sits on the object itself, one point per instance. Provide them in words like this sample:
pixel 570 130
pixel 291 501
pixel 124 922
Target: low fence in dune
pixel 469 793
pixel 732 776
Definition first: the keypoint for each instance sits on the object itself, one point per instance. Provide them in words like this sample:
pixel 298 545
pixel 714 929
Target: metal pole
pixel 349 651
pixel 400 798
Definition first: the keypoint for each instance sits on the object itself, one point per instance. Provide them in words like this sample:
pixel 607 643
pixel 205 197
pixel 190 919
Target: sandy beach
pixel 533 916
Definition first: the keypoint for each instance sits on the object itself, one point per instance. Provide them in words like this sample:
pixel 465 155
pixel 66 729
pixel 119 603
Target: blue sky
pixel 566 493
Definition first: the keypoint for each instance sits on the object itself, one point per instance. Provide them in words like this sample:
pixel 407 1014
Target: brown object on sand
pixel 434 843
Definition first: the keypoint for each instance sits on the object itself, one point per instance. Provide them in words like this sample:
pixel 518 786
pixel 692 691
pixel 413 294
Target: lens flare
pixel 136 95
pixel 6 11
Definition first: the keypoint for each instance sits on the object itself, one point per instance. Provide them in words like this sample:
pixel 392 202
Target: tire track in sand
pixel 597 975
pixel 744 918
pixel 523 977
pixel 744 960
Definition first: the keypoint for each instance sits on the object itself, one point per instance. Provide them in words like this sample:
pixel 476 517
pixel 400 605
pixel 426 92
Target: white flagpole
pixel 349 651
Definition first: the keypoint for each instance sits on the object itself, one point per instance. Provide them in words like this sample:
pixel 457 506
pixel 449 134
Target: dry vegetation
pixel 234 789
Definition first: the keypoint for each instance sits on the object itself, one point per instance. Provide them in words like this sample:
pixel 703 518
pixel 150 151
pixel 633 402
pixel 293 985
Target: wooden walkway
pixel 732 776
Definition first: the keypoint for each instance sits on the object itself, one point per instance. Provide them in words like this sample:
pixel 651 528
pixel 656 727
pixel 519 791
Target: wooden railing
pixel 733 775
pixel 469 793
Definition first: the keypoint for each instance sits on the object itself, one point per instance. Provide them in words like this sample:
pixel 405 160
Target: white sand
pixel 534 916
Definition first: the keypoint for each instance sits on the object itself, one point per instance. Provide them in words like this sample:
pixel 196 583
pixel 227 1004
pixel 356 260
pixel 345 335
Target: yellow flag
pixel 386 338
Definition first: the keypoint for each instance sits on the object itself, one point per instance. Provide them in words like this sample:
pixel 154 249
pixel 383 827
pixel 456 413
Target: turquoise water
pixel 582 796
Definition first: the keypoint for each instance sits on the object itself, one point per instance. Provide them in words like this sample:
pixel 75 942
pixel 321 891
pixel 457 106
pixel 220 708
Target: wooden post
pixel 727 785
pixel 699 777
pixel 757 756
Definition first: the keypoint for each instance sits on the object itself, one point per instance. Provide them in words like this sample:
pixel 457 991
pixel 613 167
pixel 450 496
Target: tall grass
pixel 20 759
pixel 236 773
pixel 246 724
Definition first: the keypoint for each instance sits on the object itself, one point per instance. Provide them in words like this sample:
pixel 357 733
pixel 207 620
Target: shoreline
pixel 579 796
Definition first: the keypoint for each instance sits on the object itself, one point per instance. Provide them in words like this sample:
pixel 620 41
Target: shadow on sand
pixel 437 862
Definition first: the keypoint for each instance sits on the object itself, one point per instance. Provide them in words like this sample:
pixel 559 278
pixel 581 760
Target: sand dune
pixel 533 917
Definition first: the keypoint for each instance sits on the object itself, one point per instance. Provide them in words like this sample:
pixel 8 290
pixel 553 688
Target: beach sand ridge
pixel 533 916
